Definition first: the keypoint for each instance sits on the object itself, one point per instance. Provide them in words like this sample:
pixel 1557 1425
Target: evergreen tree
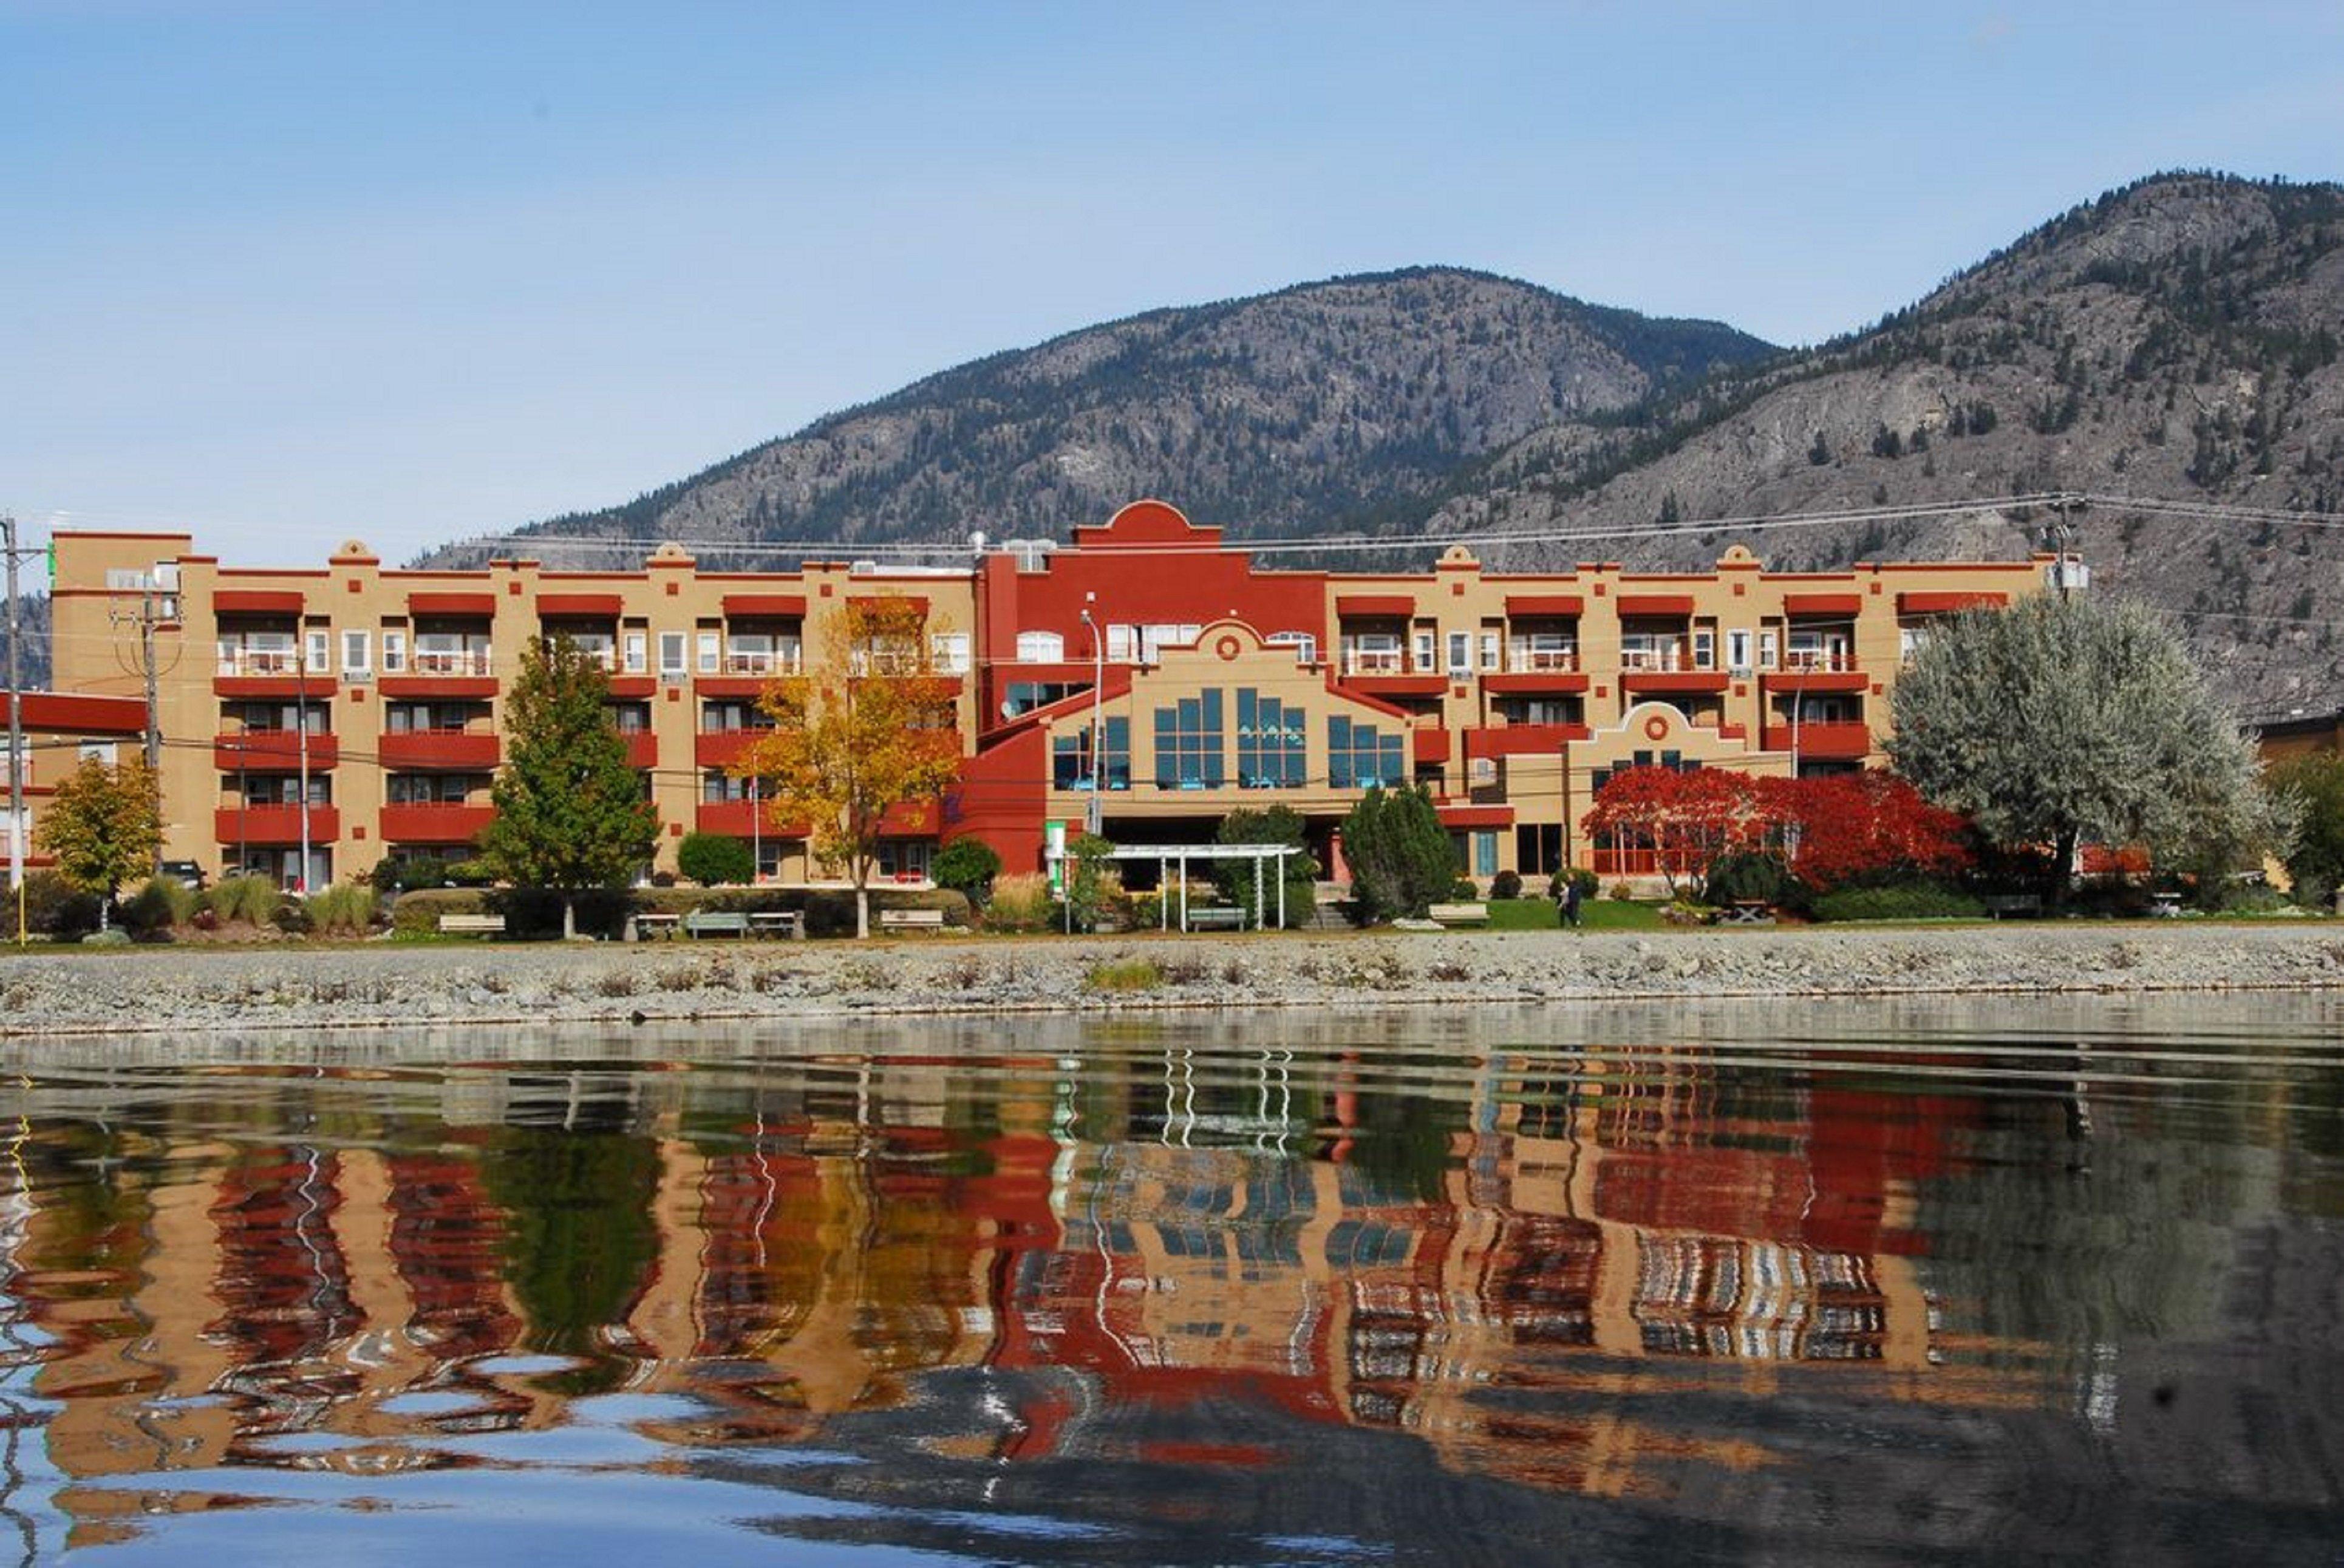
pixel 1819 453
pixel 572 815
pixel 1400 857
pixel 103 827
pixel 1278 825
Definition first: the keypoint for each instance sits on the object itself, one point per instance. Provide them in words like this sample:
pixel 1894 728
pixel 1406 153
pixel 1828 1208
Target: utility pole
pixel 2063 535
pixel 1098 723
pixel 148 613
pixel 15 740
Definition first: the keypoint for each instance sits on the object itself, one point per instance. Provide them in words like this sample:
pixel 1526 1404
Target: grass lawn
pixel 1595 915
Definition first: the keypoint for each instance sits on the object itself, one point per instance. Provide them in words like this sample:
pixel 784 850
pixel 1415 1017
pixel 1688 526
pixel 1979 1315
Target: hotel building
pixel 358 709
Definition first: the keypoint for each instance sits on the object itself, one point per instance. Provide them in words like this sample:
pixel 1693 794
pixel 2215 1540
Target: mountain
pixel 1329 405
pixel 2175 341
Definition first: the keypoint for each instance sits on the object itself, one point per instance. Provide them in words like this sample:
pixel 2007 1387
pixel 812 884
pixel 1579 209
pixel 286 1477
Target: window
pixel 712 653
pixel 948 652
pixel 1489 650
pixel 318 653
pixel 1153 639
pixel 719 786
pixel 1305 645
pixel 1461 653
pixel 635 652
pixel 1485 852
pixel 357 648
pixel 394 652
pixel 672 655
pixel 1737 650
pixel 1071 760
pixel 1424 651
pixel 1766 645
pixel 1041 648
pixel 1361 757
pixel 97 751
pixel 725 718
pixel 1704 650
pixel 1188 734
pixel 1270 742
pixel 1120 640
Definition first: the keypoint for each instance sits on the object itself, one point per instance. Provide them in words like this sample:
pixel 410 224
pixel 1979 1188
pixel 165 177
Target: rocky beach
pixel 165 990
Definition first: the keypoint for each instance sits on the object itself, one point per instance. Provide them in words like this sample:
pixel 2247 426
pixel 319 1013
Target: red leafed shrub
pixel 1830 830
pixel 1850 827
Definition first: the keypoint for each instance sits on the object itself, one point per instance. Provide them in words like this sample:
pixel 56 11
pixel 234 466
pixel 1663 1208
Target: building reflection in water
pixel 348 1271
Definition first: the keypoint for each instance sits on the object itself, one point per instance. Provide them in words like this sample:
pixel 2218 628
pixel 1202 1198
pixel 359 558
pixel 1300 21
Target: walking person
pixel 1570 902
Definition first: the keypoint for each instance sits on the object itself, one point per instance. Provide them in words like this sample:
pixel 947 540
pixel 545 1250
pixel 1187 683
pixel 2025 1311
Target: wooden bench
pixel 911 920
pixel 774 923
pixel 1210 917
pixel 471 925
pixel 657 924
pixel 2164 905
pixel 716 923
pixel 1999 905
pixel 1460 914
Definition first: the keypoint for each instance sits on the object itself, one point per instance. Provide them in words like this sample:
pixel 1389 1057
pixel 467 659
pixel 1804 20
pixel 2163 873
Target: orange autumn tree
pixel 868 728
pixel 1687 819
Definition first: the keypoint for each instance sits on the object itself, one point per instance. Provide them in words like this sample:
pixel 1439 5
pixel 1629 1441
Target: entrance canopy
pixel 1170 855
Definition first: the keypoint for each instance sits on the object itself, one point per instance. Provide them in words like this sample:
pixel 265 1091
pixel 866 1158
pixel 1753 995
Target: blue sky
pixel 287 273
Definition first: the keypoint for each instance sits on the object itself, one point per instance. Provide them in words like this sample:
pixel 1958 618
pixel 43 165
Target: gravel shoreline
pixel 182 990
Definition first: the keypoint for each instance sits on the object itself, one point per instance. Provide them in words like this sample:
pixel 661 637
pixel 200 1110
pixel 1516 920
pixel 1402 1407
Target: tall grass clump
pixel 1021 902
pixel 347 909
pixel 252 899
pixel 1124 975
pixel 163 901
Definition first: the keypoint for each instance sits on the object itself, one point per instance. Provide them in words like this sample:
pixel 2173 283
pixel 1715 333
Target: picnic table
pixel 1747 911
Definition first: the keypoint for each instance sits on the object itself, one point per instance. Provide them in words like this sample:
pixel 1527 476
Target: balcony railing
pixel 1818 661
pixel 1660 659
pixel 260 661
pixel 1532 657
pixel 784 662
pixel 443 662
pixel 1374 662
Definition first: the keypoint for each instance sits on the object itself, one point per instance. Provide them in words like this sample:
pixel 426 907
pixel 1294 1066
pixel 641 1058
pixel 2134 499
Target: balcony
pixel 1839 738
pixel 275 825
pixel 268 672
pixel 1657 661
pixel 450 751
pixel 271 750
pixel 740 819
pixel 444 672
pixel 781 661
pixel 1534 656
pixel 434 822
pixel 1816 670
pixel 642 748
pixel 722 748
pixel 1522 740
pixel 1375 660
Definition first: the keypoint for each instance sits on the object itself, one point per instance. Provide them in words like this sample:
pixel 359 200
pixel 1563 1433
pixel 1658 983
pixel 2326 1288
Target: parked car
pixel 185 873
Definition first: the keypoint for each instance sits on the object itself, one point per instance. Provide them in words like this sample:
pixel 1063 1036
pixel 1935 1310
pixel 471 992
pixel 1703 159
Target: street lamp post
pixel 1094 817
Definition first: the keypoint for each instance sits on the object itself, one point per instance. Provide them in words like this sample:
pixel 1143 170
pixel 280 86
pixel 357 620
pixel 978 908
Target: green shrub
pixel 1124 975
pixel 967 865
pixel 160 903
pixel 1746 877
pixel 1588 884
pixel 417 913
pixel 54 908
pixel 1506 885
pixel 348 910
pixel 1463 891
pixel 408 874
pixel 252 899
pixel 714 858
pixel 1897 901
pixel 1621 891
pixel 293 918
pixel 1021 902
pixel 475 872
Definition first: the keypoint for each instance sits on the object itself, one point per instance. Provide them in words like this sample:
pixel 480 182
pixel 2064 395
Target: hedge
pixel 530 911
pixel 1899 901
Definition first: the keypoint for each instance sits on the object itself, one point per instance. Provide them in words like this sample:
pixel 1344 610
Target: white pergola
pixel 1171 857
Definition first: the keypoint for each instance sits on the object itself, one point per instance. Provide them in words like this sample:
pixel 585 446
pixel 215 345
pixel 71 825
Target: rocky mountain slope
pixel 2175 341
pixel 1331 404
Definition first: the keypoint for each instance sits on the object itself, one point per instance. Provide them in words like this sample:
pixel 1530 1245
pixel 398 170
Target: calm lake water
pixel 1974 1281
